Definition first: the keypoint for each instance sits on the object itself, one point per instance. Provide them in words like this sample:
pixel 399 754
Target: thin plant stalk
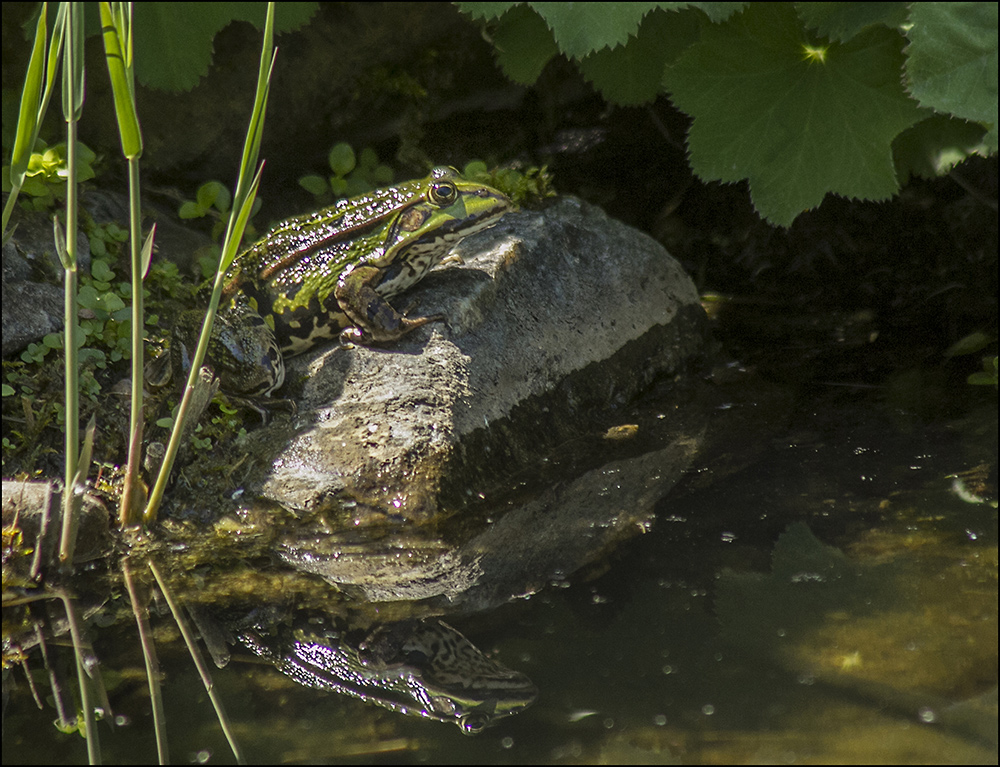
pixel 72 107
pixel 116 23
pixel 246 192
pixel 152 664
pixel 199 661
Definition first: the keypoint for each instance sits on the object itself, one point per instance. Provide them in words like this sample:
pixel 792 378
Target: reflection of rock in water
pixel 422 668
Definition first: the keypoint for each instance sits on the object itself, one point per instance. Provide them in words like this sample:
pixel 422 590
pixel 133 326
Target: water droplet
pixel 708 709
pixel 927 715
pixel 659 720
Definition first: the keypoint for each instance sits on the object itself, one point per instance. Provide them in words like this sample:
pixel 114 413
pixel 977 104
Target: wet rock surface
pixel 556 320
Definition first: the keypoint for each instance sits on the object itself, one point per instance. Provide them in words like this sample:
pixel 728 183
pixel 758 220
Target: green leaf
pixel 115 47
pixel 969 344
pixel 213 193
pixel 485 11
pixel 381 175
pixel 524 45
pixel 952 64
pixel 315 185
pixel 630 74
pixel 989 375
pixel 30 99
pixel 338 185
pixel 68 259
pixel 176 42
pixel 368 159
pixel 796 115
pixel 101 270
pixel 341 158
pixel 934 146
pixel 146 256
pixel 842 21
pixel 87 297
pixel 582 28
pixel 53 340
pixel 73 69
pixel 176 38
pixel 111 302
pixel 191 209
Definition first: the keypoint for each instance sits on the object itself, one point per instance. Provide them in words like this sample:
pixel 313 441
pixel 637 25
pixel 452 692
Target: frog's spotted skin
pixel 330 273
pixel 422 668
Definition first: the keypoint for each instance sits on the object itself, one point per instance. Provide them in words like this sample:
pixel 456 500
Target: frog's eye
pixel 443 193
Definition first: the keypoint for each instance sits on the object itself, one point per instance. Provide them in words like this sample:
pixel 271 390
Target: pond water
pixel 833 599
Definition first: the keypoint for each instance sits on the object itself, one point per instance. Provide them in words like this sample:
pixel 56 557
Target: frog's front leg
pixel 374 318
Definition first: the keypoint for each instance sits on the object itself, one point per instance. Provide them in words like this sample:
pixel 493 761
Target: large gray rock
pixel 557 319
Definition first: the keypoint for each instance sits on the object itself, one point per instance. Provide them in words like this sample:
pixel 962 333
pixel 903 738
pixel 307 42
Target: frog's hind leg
pixel 244 352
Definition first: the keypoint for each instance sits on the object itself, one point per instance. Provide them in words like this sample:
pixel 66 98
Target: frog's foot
pixel 356 336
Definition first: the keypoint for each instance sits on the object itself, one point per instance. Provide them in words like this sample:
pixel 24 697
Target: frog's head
pixel 449 210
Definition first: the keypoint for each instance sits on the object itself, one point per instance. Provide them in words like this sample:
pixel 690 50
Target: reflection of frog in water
pixel 417 667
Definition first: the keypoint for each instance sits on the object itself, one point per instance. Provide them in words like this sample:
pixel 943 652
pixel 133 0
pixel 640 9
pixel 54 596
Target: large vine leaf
pixel 934 146
pixel 796 115
pixel 631 74
pixel 524 45
pixel 952 64
pixel 175 40
pixel 485 11
pixel 582 28
pixel 842 21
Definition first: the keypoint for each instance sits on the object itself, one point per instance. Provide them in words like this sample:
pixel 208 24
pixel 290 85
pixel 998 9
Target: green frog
pixel 332 272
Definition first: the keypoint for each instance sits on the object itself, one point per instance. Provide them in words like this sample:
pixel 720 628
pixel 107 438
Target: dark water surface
pixel 835 600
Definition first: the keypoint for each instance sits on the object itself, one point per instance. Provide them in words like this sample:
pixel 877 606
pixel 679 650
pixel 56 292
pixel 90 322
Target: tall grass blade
pixel 117 31
pixel 246 191
pixel 28 117
pixel 116 24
